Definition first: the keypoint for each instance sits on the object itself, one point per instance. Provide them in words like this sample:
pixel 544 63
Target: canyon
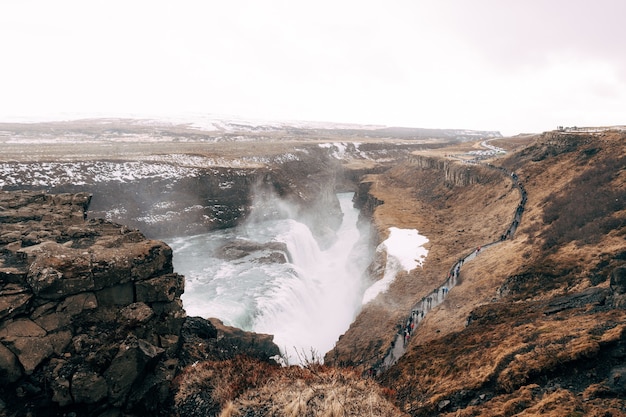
pixel 92 317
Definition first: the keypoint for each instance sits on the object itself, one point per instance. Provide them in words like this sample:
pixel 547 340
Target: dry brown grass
pixel 504 350
pixel 206 387
pixel 315 391
pixel 513 356
pixel 245 387
pixel 560 403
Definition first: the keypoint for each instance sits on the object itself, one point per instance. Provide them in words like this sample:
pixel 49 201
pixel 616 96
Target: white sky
pixel 514 66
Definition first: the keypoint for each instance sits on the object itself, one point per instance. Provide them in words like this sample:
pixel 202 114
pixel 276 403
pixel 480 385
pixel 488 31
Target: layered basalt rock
pixel 90 312
pixel 455 174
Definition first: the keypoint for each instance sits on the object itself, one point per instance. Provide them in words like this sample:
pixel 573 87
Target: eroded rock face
pixel 90 311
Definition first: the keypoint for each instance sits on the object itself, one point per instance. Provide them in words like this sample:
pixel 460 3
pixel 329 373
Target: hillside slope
pixel 546 331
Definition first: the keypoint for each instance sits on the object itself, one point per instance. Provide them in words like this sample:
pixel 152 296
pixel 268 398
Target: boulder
pixel 31 351
pixel 11 330
pixel 128 368
pixel 150 258
pixel 10 370
pixel 164 288
pixel 136 314
pixel 58 271
pixel 121 294
pixel 76 304
pixel 53 321
pixel 14 300
pixel 88 387
pixel 240 248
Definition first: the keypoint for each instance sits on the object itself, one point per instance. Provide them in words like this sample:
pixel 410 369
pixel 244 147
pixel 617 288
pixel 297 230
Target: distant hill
pixel 207 127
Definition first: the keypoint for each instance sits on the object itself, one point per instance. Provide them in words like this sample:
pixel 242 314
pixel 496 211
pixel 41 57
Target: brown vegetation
pixel 245 387
pixel 547 336
pixel 456 216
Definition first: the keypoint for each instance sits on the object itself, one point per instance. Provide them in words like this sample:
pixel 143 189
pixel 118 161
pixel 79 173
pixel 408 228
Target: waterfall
pixel 306 303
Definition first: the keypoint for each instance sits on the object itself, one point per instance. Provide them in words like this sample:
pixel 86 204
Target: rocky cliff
pixel 91 320
pixel 191 194
pixel 455 174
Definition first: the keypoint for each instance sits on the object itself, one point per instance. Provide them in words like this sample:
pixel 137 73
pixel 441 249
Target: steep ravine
pixel 428 195
pixel 420 310
pixel 91 316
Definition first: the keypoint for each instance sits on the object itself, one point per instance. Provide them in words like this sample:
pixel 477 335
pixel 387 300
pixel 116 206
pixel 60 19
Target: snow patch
pixel 405 252
pixel 50 174
pixel 345 150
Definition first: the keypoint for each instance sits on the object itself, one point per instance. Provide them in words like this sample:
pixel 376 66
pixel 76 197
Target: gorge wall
pixel 456 206
pixel 454 173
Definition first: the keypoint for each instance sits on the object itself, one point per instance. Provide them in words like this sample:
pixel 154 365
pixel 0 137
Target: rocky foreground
pixel 91 320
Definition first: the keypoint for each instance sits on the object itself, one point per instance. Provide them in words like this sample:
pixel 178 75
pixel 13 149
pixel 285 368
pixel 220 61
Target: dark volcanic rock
pixel 593 296
pixel 212 340
pixel 232 341
pixel 239 248
pixel 90 312
pixel 10 370
pixel 77 305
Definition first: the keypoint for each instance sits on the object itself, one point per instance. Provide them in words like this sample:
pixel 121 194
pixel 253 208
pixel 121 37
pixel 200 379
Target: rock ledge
pixel 91 318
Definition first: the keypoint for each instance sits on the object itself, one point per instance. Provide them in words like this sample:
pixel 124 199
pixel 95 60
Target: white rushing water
pixel 306 303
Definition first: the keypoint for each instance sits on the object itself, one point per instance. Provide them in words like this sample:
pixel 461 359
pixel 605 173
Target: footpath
pixel 421 308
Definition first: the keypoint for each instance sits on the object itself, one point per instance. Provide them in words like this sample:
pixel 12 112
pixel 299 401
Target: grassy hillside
pixel 549 336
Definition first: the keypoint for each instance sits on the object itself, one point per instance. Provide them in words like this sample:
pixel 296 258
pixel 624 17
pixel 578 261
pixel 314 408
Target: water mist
pixel 306 300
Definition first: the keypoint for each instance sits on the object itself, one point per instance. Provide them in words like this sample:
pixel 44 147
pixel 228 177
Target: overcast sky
pixel 509 65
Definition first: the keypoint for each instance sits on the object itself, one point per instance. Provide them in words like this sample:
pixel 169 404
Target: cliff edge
pixel 91 320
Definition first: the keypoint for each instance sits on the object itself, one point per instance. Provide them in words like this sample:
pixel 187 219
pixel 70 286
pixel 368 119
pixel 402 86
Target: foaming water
pixel 306 302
